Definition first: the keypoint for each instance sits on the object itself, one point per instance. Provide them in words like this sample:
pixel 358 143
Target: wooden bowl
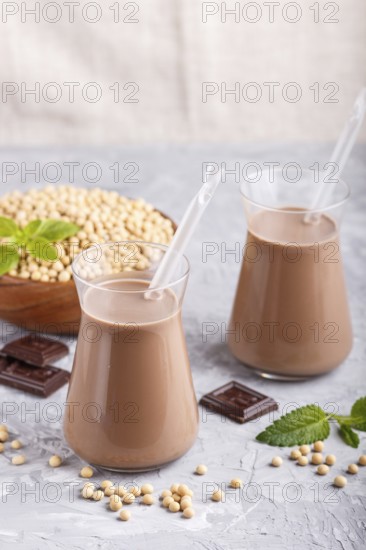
pixel 43 307
pixel 51 308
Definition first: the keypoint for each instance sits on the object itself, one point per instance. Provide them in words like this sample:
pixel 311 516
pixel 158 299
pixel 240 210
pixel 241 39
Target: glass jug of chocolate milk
pixel 131 405
pixel 290 317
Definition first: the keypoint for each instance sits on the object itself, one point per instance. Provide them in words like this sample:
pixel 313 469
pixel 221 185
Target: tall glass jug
pixel 131 405
pixel 290 317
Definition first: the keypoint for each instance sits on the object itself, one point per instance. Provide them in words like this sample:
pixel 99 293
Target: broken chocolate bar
pixel 238 402
pixel 39 381
pixel 36 350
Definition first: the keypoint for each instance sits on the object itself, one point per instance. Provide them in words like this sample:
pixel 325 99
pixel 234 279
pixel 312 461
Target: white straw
pixel 344 146
pixel 184 232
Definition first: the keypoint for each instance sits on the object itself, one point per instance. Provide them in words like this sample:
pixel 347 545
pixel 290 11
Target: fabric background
pixel 169 53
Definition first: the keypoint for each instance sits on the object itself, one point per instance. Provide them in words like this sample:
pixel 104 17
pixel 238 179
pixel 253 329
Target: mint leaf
pixel 32 227
pixel 358 414
pixel 8 227
pixel 9 257
pixel 56 230
pixel 42 249
pixel 304 425
pixel 349 436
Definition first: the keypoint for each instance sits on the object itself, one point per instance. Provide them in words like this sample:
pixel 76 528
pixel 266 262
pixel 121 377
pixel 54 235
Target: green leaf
pixel 304 425
pixel 19 238
pixel 32 227
pixel 42 249
pixel 358 412
pixel 9 257
pixel 8 227
pixel 349 436
pixel 56 230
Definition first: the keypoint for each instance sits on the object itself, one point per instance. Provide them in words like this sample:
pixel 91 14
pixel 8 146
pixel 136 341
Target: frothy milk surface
pixel 290 314
pixel 131 361
pixel 127 303
pixel 290 225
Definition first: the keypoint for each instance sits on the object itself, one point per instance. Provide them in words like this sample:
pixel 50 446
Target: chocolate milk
pixel 290 315
pixel 131 380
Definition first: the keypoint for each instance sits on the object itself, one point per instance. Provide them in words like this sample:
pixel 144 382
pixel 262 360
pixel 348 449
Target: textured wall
pixel 169 53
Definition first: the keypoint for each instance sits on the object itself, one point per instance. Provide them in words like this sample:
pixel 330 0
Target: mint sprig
pixel 8 227
pixel 304 425
pixel 9 257
pixel 51 230
pixel 310 423
pixel 358 414
pixel 37 238
pixel 349 436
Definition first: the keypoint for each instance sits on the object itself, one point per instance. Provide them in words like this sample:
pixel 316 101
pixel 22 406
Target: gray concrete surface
pixel 284 508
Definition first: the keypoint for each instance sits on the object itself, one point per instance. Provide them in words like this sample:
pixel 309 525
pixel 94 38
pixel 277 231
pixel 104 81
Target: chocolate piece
pixel 36 350
pixel 40 381
pixel 238 402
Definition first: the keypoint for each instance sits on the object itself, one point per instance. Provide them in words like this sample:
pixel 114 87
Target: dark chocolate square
pixel 238 402
pixel 36 350
pixel 42 381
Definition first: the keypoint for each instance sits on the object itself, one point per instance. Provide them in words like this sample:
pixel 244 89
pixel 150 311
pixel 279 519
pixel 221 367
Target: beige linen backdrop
pixel 157 70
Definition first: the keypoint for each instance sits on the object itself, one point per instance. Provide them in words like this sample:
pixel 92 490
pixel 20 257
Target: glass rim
pixel 293 210
pixel 162 247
